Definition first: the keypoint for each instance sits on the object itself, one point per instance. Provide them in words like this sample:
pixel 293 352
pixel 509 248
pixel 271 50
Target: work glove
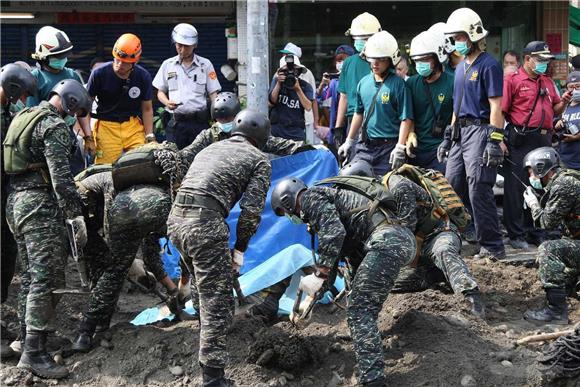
pixel 493 154
pixel 445 146
pixel 237 260
pixel 89 145
pixel 344 149
pixel 411 145
pixel 530 198
pixel 80 231
pixel 311 284
pixel 397 157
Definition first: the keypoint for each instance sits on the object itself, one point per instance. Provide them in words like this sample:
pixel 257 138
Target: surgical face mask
pixel 541 67
pixel 359 44
pixel 227 127
pixel 423 68
pixel 535 182
pixel 69 120
pixel 17 106
pixel 57 63
pixel 339 66
pixel 294 218
pixel 461 47
pixel 576 96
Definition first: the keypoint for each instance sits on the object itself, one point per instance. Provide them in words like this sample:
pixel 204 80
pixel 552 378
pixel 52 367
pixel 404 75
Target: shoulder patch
pixel 212 75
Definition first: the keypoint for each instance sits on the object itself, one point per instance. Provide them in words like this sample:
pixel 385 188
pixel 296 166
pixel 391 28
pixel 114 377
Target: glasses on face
pixel 575 86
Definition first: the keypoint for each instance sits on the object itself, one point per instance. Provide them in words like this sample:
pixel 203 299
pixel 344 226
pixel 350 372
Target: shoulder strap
pixel 534 106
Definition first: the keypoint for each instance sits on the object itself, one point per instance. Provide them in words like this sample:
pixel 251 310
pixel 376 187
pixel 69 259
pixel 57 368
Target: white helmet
pixel 466 20
pixel 364 24
pixel 427 43
pixel 382 45
pixel 185 34
pixel 50 41
pixel 439 29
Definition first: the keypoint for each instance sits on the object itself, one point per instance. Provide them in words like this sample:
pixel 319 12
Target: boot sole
pixel 551 322
pixel 42 374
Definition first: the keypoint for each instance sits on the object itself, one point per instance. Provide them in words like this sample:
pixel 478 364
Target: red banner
pixel 94 18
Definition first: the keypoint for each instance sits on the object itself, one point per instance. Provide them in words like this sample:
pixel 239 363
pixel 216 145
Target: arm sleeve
pixel 147 87
pixel 281 146
pixel 406 198
pixel 318 205
pixel 252 204
pixel 493 80
pixel 93 84
pixel 342 78
pixel 405 102
pixel 506 101
pixel 160 80
pixel 360 107
pixel 212 85
pixel 558 206
pixel 204 139
pixel 308 91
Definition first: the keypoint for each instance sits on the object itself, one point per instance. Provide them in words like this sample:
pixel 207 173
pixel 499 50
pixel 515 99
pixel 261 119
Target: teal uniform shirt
pixel 46 81
pixel 449 70
pixel 393 105
pixel 423 116
pixel 354 69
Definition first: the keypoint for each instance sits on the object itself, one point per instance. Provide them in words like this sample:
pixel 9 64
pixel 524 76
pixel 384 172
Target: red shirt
pixel 519 93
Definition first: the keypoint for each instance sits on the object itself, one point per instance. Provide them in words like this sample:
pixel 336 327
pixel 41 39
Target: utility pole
pixel 257 82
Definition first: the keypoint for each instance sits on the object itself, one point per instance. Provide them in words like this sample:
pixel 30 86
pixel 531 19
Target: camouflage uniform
pixel 219 176
pixel 387 247
pixel 137 215
pixel 442 246
pixel 559 260
pixel 36 210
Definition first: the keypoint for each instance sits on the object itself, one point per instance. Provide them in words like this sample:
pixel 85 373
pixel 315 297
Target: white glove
pixel 311 284
pixel 411 145
pixel 80 231
pixel 530 198
pixel 397 157
pixel 237 260
pixel 344 149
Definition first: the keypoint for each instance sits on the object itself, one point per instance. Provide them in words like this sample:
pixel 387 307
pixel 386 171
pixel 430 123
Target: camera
pixel 289 72
pixel 571 128
pixel 331 75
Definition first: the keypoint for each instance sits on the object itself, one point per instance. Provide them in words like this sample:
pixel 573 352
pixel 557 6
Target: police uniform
pixel 534 122
pixel 470 178
pixel 432 107
pixel 354 68
pixel 386 248
pixel 393 105
pixel 191 87
pixel 36 209
pixel 219 176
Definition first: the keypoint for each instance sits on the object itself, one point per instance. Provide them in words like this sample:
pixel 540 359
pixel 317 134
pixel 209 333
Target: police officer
pixel 219 176
pixel 124 108
pixel 431 90
pixel 183 84
pixel 43 196
pixel 558 260
pixel 452 56
pixel 477 129
pixel 342 222
pixel 530 103
pixel 569 125
pixel 353 70
pixel 383 110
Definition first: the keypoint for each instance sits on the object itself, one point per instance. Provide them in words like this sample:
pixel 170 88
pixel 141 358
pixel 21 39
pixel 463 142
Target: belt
pixel 525 131
pixel 379 141
pixel 472 121
pixel 196 116
pixel 185 200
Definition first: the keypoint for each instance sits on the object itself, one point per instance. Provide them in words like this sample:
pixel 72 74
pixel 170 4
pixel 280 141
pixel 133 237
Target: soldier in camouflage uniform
pixel 43 196
pixel 16 83
pixel 342 221
pixel 558 260
pixel 219 176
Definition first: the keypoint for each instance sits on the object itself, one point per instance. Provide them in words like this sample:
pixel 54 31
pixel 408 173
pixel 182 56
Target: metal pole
pixel 257 80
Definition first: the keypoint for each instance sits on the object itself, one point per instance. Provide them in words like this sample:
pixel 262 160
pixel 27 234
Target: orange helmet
pixel 127 48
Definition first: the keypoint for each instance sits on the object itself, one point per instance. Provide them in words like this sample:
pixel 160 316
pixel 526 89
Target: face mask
pixel 69 120
pixel 541 67
pixel 359 44
pixel 339 66
pixel 423 68
pixel 461 47
pixel 535 182
pixel 294 219
pixel 17 106
pixel 57 64
pixel 227 127
pixel 576 96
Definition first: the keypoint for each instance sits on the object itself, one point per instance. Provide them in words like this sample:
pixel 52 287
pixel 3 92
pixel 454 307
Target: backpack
pixel 446 204
pixel 138 167
pixel 93 170
pixel 16 145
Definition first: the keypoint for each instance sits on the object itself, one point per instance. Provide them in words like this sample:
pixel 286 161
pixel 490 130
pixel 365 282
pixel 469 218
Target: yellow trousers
pixel 114 138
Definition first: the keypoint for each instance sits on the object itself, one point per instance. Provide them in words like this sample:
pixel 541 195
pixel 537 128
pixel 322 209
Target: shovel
pixel 302 310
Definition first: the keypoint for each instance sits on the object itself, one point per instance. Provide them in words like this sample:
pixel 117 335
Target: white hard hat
pixel 185 34
pixel 382 45
pixel 50 41
pixel 364 24
pixel 427 43
pixel 439 29
pixel 466 20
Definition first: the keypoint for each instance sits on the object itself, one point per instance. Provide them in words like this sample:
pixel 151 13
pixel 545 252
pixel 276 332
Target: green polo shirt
pixel 424 118
pixel 354 69
pixel 393 105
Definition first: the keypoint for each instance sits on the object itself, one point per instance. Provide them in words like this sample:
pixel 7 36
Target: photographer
pixel 288 98
pixel 569 125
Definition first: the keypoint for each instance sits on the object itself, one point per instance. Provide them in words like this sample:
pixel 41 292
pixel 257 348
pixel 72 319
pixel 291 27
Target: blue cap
pixel 344 49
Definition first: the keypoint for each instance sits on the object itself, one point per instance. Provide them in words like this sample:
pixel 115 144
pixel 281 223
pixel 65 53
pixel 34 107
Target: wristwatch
pixel 150 137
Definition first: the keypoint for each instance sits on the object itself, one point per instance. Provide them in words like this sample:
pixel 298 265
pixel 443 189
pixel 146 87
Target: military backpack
pixel 138 167
pixel 93 170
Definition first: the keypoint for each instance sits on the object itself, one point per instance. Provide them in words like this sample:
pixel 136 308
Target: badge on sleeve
pixel 212 76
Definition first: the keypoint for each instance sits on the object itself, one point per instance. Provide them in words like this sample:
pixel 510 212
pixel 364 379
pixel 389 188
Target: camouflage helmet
pixel 225 105
pixel 17 81
pixel 285 195
pixel 357 168
pixel 252 125
pixel 74 97
pixel 542 160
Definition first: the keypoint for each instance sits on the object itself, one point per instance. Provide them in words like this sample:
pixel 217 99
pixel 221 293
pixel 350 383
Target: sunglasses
pixel 122 54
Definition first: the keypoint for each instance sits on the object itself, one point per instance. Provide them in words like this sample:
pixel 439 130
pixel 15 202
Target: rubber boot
pixel 215 377
pixel 84 341
pixel 556 312
pixel 477 305
pixel 36 360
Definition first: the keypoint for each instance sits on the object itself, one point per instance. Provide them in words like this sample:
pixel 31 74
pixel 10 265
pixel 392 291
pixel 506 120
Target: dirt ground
pixel 430 339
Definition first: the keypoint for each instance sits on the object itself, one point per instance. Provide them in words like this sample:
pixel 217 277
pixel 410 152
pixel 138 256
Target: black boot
pixel 556 312
pixel 84 341
pixel 477 305
pixel 215 377
pixel 36 360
